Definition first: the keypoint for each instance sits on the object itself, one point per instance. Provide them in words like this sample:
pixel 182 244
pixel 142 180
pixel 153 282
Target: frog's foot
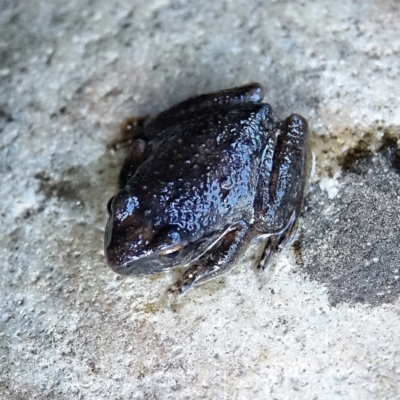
pixel 250 93
pixel 130 130
pixel 132 161
pixel 215 261
pixel 189 278
pixel 278 241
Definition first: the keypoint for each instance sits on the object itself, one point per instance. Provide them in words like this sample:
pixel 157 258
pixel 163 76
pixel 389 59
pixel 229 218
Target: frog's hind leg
pixel 132 137
pixel 216 261
pixel 252 92
pixel 281 185
pixel 133 160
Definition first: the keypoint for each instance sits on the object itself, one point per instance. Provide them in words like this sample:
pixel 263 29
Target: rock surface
pixel 322 323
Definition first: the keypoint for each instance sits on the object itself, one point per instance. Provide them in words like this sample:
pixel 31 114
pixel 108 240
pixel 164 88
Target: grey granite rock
pixel 322 323
pixel 351 243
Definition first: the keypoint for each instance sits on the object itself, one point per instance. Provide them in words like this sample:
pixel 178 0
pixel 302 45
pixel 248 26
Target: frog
pixel 201 182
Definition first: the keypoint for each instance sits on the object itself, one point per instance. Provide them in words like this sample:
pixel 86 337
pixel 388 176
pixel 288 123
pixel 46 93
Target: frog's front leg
pixel 216 261
pixel 281 184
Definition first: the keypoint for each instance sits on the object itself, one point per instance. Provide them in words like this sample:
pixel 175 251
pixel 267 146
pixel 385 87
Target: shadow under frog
pixel 201 181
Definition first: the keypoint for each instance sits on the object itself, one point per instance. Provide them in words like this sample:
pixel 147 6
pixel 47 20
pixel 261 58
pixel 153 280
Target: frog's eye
pixel 109 206
pixel 172 252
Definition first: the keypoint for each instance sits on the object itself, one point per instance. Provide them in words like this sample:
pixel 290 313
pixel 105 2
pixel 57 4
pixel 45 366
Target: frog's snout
pixel 119 262
pixel 128 255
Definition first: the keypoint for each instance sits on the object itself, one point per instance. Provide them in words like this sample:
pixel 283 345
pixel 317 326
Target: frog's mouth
pixel 138 266
pixel 207 249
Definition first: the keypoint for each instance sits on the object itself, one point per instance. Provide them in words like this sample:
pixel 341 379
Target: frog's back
pixel 204 169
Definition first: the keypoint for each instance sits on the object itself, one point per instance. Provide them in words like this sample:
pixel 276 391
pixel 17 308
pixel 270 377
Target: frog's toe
pixel 297 124
pixel 188 279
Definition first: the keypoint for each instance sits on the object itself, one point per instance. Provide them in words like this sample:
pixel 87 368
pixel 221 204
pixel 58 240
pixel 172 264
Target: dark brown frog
pixel 201 181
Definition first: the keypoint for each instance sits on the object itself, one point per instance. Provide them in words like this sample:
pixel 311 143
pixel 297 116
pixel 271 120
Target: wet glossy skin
pixel 201 180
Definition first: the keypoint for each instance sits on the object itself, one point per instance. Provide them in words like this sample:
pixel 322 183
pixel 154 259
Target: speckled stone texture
pixel 321 323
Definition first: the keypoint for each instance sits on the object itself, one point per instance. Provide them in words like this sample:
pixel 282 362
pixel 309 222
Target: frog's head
pixel 138 244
